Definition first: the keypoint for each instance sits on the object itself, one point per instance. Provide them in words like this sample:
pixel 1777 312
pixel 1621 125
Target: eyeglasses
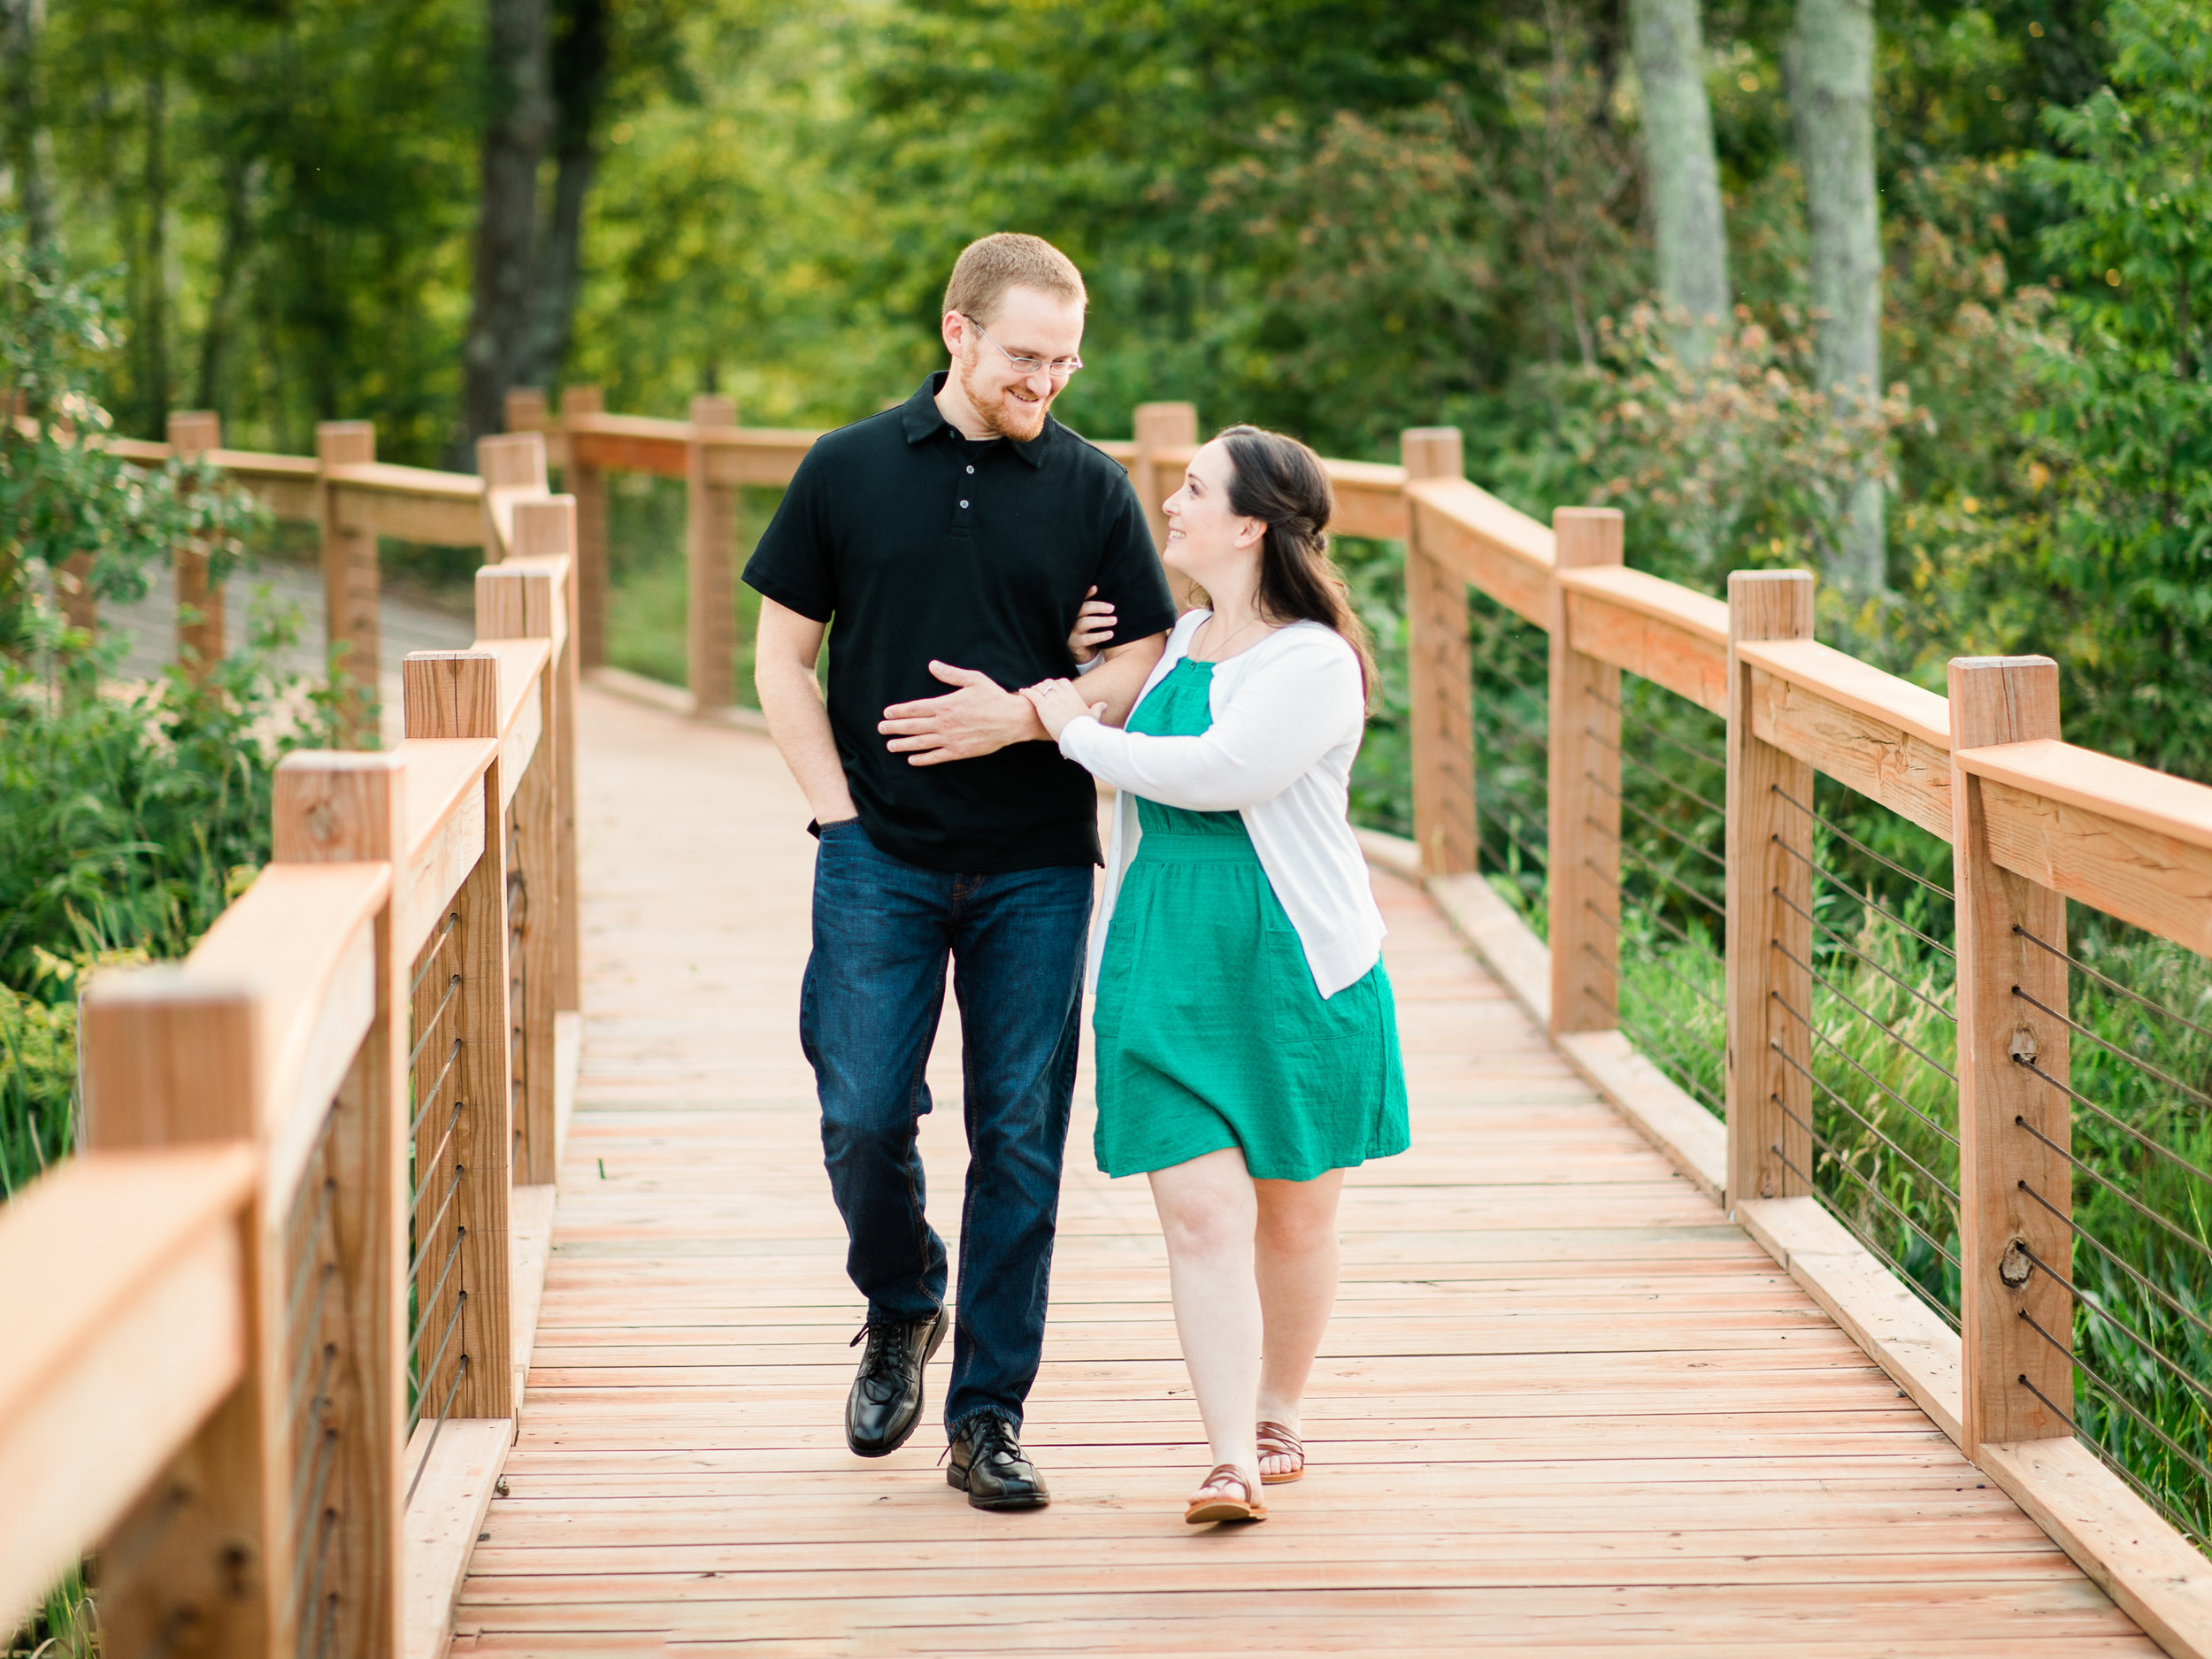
pixel 1058 368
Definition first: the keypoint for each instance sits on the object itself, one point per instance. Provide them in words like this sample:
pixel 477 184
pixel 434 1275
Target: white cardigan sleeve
pixel 1284 712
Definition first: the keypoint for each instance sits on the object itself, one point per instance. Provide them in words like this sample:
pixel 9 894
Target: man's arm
pixel 785 651
pixel 982 716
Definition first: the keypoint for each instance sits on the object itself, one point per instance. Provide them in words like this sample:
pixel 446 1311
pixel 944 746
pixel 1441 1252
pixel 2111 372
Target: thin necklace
pixel 1222 645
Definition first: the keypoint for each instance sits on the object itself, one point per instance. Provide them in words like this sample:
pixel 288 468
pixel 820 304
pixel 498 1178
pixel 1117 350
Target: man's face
pixel 1029 324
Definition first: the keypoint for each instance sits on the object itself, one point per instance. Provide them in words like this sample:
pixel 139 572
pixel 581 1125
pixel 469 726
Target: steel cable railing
pixel 314 1427
pixel 1672 893
pixel 2135 1153
pixel 1878 1073
pixel 437 1230
pixel 1509 711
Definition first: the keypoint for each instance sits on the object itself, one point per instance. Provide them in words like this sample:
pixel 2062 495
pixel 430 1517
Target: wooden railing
pixel 287 1009
pixel 717 458
pixel 2033 821
pixel 266 1334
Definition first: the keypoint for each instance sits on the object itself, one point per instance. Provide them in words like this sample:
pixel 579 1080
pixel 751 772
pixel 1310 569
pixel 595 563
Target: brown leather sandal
pixel 1278 1441
pixel 1216 1504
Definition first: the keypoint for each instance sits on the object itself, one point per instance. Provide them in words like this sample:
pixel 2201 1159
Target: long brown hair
pixel 1282 483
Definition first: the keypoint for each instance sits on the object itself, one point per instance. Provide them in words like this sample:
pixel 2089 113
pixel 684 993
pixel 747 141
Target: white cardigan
pixel 1288 718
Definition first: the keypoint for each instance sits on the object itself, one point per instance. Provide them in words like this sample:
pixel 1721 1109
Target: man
pixel 953 541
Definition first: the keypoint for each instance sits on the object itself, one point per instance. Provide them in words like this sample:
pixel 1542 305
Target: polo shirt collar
pixel 922 419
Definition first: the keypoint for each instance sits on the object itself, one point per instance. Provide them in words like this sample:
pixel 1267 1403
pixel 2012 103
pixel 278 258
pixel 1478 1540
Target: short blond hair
pixel 990 265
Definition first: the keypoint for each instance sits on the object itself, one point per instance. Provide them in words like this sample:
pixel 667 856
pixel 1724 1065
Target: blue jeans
pixel 875 986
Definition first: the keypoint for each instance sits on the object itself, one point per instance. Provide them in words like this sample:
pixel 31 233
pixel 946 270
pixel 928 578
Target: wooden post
pixel 1770 997
pixel 456 694
pixel 334 807
pixel 2008 700
pixel 350 585
pixel 548 529
pixel 1441 690
pixel 525 409
pixel 519 602
pixel 587 482
pixel 512 465
pixel 194 432
pixel 205 1548
pixel 1583 816
pixel 710 544
pixel 1162 426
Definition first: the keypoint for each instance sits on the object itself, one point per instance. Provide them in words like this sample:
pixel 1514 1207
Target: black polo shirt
pixel 916 545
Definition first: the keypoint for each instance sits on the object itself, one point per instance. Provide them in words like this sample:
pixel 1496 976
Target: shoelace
pixel 879 1339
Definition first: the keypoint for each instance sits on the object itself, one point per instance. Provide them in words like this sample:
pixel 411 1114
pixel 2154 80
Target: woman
pixel 1247 1047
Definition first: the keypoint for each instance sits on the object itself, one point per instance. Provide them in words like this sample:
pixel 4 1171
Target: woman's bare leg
pixel 1208 1211
pixel 1296 1264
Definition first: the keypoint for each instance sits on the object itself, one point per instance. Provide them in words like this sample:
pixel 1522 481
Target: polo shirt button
pixel 971 469
pixel 963 503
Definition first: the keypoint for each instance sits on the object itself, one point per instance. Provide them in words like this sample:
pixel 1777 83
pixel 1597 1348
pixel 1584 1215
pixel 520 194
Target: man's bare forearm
pixel 1118 681
pixel 800 725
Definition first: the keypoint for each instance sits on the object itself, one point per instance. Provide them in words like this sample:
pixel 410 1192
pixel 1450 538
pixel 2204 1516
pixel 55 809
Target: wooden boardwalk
pixel 1565 1406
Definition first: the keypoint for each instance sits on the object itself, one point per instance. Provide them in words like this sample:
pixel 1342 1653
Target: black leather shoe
pixel 886 1402
pixel 989 1465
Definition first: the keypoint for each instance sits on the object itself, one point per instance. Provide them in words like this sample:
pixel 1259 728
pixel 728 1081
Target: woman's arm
pixel 1285 714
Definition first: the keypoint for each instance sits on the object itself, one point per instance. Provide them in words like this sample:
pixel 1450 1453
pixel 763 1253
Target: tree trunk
pixel 1689 234
pixel 237 226
pixel 20 23
pixel 153 322
pixel 519 121
pixel 579 65
pixel 1830 62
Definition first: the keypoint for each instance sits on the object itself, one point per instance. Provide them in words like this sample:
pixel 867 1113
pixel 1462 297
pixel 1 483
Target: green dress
pixel 1211 1032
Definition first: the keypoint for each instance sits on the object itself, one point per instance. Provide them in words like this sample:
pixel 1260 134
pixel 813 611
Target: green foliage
pixel 1740 461
pixel 2128 385
pixel 65 1625
pixel 72 511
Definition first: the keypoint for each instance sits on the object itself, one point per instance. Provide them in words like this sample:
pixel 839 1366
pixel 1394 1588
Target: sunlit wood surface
pixel 1565 1406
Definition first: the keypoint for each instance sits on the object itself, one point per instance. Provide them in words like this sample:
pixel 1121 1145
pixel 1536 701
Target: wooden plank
pixel 534 941
pixel 2132 842
pixel 1507 944
pixel 627 443
pixel 464 1283
pixel 1834 677
pixel 123 1287
pixel 287 485
pixel 710 554
pixel 346 809
pixel 1885 762
pixel 442 1522
pixel 1166 435
pixel 2119 1540
pixel 546 534
pixel 1770 895
pixel 1994 701
pixel 1583 799
pixel 755 455
pixel 303 938
pixel 1494 549
pixel 350 580
pixel 1899 1332
pixel 1369 499
pixel 445 826
pixel 1439 691
pixel 1665 633
pixel 1690 1138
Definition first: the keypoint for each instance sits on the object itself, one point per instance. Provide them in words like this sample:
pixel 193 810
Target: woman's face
pixel 1207 539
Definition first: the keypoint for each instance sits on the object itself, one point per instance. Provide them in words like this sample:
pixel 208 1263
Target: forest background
pixel 1338 217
